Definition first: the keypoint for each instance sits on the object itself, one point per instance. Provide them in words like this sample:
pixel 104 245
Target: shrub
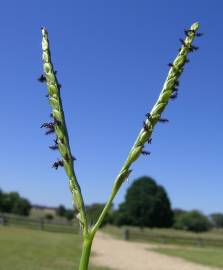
pixel 217 220
pixel 192 221
pixel 61 210
pixel 49 216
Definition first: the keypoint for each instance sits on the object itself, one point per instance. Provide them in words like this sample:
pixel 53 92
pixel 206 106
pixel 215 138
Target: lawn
pixel 38 250
pixel 203 255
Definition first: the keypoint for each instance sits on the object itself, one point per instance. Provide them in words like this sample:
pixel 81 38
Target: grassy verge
pixel 36 250
pixel 168 236
pixel 206 255
pixel 202 248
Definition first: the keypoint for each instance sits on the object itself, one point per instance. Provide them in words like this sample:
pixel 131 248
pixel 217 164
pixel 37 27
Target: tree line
pixel 13 203
pixel 146 204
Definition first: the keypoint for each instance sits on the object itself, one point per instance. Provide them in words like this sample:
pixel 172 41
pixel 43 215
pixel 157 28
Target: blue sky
pixel 111 58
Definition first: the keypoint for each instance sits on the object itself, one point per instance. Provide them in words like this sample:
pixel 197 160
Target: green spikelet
pixel 60 128
pixel 169 87
pixel 167 92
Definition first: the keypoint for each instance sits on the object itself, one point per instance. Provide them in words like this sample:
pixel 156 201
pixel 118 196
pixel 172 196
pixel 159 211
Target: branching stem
pixel 168 92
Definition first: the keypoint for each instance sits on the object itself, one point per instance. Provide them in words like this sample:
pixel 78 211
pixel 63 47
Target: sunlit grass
pixel 38 250
pixel 169 236
pixel 204 255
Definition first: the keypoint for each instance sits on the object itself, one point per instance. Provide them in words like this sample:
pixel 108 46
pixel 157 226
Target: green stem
pixel 106 208
pixel 86 252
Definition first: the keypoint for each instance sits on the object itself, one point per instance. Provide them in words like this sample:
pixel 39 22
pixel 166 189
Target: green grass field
pixel 36 250
pixel 22 248
pixel 206 256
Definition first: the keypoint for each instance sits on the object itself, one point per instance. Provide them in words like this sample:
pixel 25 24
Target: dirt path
pixel 122 255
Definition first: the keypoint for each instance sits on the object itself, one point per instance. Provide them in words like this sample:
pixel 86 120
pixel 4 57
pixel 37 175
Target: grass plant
pixel 58 126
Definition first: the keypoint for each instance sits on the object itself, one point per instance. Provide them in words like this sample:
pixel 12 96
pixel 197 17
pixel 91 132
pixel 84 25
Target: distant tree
pixel 14 199
pixel 93 212
pixel 178 211
pixel 5 206
pixel 22 207
pixel 13 203
pixel 9 202
pixel 120 216
pixel 1 196
pixel 217 220
pixel 61 210
pixel 69 214
pixel 176 214
pixel 193 221
pixel 49 216
pixel 146 205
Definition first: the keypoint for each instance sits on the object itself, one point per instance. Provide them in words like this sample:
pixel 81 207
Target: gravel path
pixel 122 255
